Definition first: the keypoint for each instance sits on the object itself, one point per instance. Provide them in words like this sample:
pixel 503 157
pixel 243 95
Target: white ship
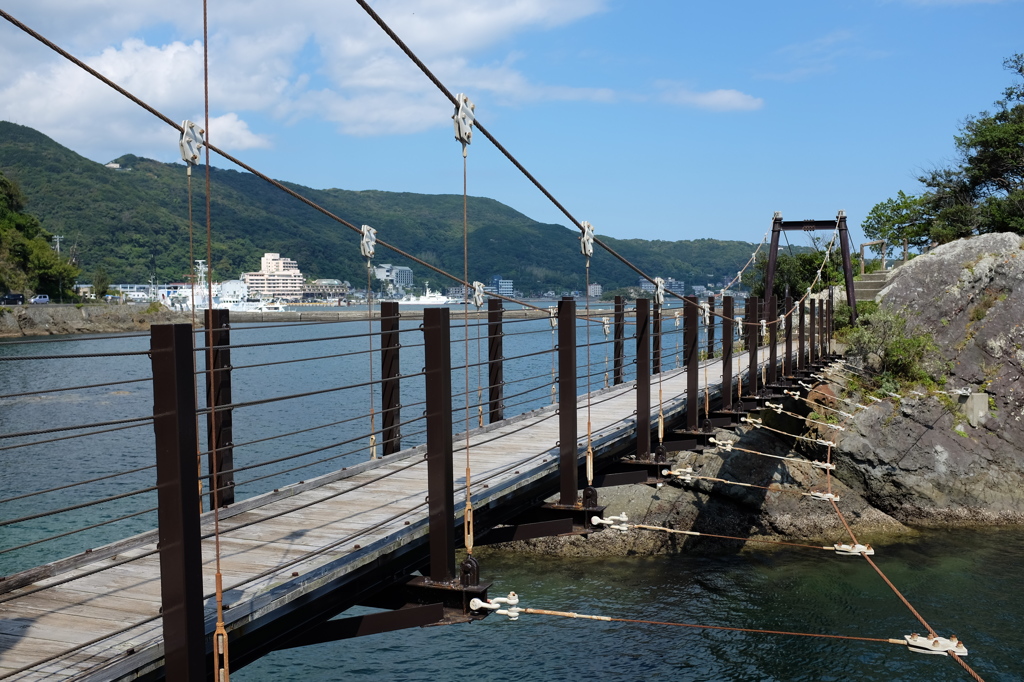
pixel 428 298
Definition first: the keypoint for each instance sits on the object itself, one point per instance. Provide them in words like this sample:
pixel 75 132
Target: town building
pixel 277 278
pixel 399 275
pixel 595 291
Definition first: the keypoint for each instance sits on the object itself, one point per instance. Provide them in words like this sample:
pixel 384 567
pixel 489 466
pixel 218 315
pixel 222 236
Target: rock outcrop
pixel 43 320
pixel 919 458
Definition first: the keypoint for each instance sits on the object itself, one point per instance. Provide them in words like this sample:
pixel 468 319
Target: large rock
pixel 920 459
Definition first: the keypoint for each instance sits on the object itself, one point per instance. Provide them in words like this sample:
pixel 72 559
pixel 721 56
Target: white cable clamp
pixel 818 377
pixel 705 314
pixel 837 427
pixel 826 443
pixel 512 601
pixel 369 242
pixel 478 294
pixel 764 329
pixel 877 400
pixel 191 142
pixel 676 314
pixel 659 291
pixel 752 421
pixel 464 118
pixel 807 386
pixel 895 395
pixel 775 406
pixel 966 390
pixel 935 645
pixel 827 466
pixel 613 522
pixel 587 239
pixel 724 445
pixel 606 325
pixel 682 474
pixel 553 317
pixel 822 496
pixel 853 550
pixel 918 393
pixel 795 394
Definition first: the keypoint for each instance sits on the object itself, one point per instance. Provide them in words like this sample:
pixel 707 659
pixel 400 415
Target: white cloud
pixel 712 100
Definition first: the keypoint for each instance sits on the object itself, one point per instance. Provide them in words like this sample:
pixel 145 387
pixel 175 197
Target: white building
pixel 595 291
pixel 399 275
pixel 277 278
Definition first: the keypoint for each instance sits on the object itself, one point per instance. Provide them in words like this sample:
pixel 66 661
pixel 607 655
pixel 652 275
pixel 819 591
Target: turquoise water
pixel 964 582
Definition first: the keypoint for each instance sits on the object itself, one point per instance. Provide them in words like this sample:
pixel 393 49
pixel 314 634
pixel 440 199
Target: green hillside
pixel 134 223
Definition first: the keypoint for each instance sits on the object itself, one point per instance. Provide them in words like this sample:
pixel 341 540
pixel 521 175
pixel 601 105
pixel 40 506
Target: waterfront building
pixel 399 275
pixel 277 278
pixel 595 291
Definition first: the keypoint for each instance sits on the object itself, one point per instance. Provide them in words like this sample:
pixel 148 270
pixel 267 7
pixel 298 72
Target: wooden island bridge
pixel 206 548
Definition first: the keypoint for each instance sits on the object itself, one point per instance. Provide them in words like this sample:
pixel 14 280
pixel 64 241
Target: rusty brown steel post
pixel 219 435
pixel 787 360
pixel 440 483
pixel 495 361
pixel 824 328
pixel 812 320
pixel 728 332
pixel 802 356
pixel 773 340
pixel 751 321
pixel 831 325
pixel 568 453
pixel 656 339
pixel 643 378
pixel 177 481
pixel 692 356
pixel 619 346
pixel 390 372
pixel 710 331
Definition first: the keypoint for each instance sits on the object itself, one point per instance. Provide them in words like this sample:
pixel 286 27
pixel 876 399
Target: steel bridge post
pixel 802 355
pixel 829 326
pixel 727 337
pixel 568 453
pixel 773 254
pixel 495 360
pixel 813 324
pixel 710 331
pixel 787 360
pixel 177 481
pixel 643 378
pixel 656 339
pixel 773 340
pixel 390 372
pixel 844 243
pixel 750 319
pixel 440 482
pixel 692 355
pixel 217 358
pixel 619 346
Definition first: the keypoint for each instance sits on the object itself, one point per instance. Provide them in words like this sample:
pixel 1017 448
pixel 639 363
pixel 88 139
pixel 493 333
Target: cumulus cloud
pixel 711 100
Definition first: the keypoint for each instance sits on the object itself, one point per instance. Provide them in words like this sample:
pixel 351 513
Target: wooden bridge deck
pixel 101 617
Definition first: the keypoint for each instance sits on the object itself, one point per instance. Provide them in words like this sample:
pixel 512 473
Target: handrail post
pixel 750 319
pixel 813 324
pixel 217 358
pixel 692 358
pixel 802 357
pixel 656 339
pixel 787 360
pixel 390 372
pixel 773 340
pixel 568 453
pixel 495 360
pixel 830 326
pixel 710 331
pixel 619 346
pixel 643 378
pixel 727 337
pixel 177 481
pixel 440 483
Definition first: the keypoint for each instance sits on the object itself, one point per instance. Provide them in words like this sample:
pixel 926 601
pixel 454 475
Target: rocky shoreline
pixel 45 320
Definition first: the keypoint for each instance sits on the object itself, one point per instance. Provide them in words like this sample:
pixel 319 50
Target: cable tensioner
pixel 464 118
pixel 935 645
pixel 511 601
pixel 614 522
pixel 191 143
pixel 847 549
pixel 685 475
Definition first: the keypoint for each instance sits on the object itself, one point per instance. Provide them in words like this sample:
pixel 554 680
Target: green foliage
pixel 795 272
pixel 27 263
pixel 895 220
pixel 100 283
pixel 134 223
pixel 882 337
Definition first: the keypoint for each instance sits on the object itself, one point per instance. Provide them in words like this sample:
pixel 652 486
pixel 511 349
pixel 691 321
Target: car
pixel 12 299
pixel 39 298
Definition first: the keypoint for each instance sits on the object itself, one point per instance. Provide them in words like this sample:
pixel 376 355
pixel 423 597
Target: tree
pixel 894 220
pixel 100 283
pixel 795 273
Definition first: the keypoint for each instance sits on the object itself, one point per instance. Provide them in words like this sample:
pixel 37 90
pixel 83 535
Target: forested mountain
pixel 133 223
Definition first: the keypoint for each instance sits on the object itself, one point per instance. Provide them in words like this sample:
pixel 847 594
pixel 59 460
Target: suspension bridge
pixel 253 534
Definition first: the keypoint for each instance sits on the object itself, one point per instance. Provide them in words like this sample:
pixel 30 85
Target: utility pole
pixel 56 240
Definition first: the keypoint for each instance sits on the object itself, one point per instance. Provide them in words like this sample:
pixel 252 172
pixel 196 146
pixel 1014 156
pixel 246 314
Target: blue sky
pixel 649 118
